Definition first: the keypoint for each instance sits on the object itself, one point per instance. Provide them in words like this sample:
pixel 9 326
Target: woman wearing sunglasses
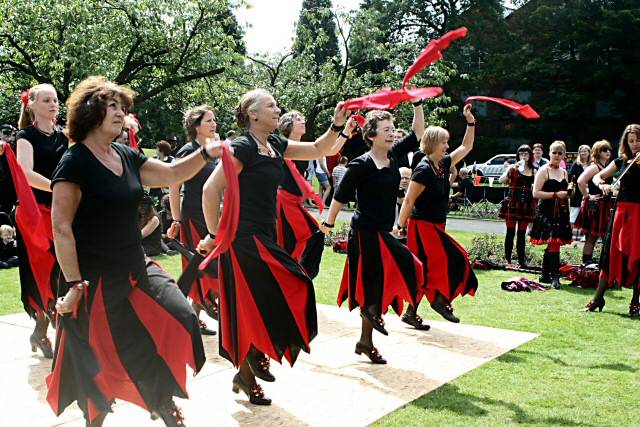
pixel 551 226
pixel 596 207
pixel 519 207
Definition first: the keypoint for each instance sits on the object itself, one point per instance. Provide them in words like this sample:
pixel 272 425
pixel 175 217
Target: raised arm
pixel 66 198
pixel 600 177
pixel 323 145
pixel 343 137
pixel 469 137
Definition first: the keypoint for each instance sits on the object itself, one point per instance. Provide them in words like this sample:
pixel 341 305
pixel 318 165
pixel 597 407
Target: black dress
pixel 266 299
pixel 38 270
pixel 519 205
pixel 137 332
pixel 379 271
pixel 551 224
pixel 446 264
pixel 594 215
pixel 298 231
pixel 194 227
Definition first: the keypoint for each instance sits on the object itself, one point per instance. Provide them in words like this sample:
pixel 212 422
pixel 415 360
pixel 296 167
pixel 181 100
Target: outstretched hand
pixel 467 114
pixel 340 114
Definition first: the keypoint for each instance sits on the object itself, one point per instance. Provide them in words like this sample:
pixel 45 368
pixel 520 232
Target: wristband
pixel 417 103
pixel 212 235
pixel 343 135
pixel 336 128
pixel 77 283
pixel 205 155
pixel 471 124
pixel 401 228
pixel 177 221
pixel 326 224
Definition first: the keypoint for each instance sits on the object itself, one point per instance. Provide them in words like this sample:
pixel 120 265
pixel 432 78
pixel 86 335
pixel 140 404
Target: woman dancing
pixel 596 208
pixel 551 225
pixel 620 265
pixel 379 271
pixel 40 146
pixel 519 207
pixel 267 301
pixel 127 331
pixel 447 273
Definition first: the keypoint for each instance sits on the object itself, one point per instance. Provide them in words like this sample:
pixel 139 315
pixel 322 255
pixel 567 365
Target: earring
pixel 256 119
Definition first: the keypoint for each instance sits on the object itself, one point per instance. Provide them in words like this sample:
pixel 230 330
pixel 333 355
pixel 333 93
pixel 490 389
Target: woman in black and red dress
pixel 126 331
pixel 267 301
pixel 188 220
pixel 620 265
pixel 519 207
pixel 297 230
pixel 379 271
pixel 596 208
pixel 551 226
pixel 40 145
pixel 447 272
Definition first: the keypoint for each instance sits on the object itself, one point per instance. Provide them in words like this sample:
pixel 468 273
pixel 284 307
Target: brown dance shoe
pixel 372 353
pixel 254 392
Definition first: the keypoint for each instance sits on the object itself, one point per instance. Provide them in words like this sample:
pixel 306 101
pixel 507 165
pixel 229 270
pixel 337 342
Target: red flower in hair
pixel 25 97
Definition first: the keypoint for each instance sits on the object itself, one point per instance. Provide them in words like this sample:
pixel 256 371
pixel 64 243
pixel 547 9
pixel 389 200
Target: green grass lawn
pixel 581 371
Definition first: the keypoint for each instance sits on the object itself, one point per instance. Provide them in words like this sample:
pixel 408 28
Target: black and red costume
pixel 297 230
pixel 379 271
pixel 136 332
pixel 193 227
pixel 595 214
pixel 518 210
pixel 38 270
pixel 623 266
pixel 551 224
pixel 446 264
pixel 266 300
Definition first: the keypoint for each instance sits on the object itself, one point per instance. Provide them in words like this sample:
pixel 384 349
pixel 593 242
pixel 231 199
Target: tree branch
pixel 176 81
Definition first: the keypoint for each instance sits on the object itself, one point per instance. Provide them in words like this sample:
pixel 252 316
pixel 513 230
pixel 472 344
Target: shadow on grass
pixel 515 356
pixel 449 398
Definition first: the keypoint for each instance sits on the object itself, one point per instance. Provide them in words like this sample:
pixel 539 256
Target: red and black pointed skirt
pixel 298 232
pixel 38 269
pixel 446 264
pixel 623 268
pixel 551 225
pixel 266 299
pixel 132 341
pixel 379 271
pixel 519 205
pixel 194 229
pixel 594 216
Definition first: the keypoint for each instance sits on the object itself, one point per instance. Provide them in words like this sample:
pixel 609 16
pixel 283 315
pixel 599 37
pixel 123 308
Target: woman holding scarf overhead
pixel 447 273
pixel 267 301
pixel 620 265
pixel 380 271
pixel 40 145
pixel 126 330
pixel 551 226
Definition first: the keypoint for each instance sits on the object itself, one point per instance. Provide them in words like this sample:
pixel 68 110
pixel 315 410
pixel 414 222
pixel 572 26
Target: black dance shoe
pixel 376 321
pixel 415 321
pixel 254 393
pixel 445 310
pixel 545 277
pixel 259 367
pixel 170 414
pixel 43 344
pixel 555 283
pixel 211 308
pixel 634 310
pixel 594 304
pixel 204 330
pixel 372 353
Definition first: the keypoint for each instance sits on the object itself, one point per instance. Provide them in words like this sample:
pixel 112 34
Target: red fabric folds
pixel 24 97
pixel 36 231
pixel 133 142
pixel 432 53
pixel 388 99
pixel 360 120
pixel 230 210
pixel 525 111
pixel 307 190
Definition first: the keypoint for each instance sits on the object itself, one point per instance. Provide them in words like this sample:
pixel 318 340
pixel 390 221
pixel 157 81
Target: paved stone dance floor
pixel 330 387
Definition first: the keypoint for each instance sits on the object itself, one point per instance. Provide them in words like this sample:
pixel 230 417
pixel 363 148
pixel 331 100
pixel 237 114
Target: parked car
pixel 494 167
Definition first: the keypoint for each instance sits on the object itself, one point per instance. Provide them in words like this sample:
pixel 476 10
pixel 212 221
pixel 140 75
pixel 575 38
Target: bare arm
pixel 538 183
pixel 174 202
pixel 323 145
pixel 334 208
pixel 25 159
pixel 417 126
pixel 469 137
pixel 150 226
pixel 454 174
pixel 504 178
pixel 413 192
pixel 66 198
pixel 585 177
pixel 340 141
pixel 605 173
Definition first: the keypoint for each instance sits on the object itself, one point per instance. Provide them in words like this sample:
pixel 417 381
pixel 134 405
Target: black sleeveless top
pixel 47 152
pixel 630 183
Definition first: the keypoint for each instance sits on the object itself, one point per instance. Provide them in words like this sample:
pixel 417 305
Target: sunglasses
pixel 605 149
pixel 558 153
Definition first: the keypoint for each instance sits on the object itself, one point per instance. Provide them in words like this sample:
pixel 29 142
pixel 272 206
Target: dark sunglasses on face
pixel 605 149
pixel 557 153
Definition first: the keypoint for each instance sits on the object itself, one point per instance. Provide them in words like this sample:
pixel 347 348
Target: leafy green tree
pixel 316 31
